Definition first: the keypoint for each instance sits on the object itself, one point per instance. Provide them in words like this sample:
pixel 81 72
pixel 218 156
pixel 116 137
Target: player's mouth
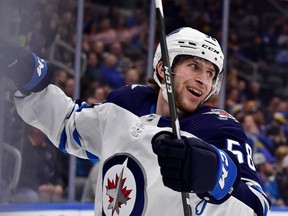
pixel 194 91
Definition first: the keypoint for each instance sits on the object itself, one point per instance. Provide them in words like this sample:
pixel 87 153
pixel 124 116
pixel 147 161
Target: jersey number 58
pixel 234 147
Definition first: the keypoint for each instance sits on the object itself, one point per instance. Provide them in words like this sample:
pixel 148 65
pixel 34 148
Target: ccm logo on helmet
pixel 210 48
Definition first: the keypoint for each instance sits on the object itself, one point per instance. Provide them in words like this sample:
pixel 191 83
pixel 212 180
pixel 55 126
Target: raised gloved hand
pixel 29 72
pixel 192 165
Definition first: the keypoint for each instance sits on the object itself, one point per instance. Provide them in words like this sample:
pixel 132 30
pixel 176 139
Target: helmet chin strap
pixel 164 91
pixel 162 87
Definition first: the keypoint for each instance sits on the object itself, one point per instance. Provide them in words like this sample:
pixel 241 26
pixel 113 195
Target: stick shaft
pixel 167 70
pixel 171 100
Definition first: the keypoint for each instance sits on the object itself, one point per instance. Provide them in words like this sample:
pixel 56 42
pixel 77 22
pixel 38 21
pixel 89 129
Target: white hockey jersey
pixel 129 180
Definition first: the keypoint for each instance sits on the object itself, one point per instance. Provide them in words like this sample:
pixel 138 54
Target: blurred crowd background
pixel 114 53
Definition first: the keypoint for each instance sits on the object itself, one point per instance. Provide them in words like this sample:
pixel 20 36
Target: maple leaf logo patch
pixel 123 187
pixel 117 192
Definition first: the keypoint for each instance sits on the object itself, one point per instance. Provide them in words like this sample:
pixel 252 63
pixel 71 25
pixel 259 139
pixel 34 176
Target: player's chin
pixel 189 106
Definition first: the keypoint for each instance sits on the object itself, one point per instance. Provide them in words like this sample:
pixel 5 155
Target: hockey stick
pixel 168 78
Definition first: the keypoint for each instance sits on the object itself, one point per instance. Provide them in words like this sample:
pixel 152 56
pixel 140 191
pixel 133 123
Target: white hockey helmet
pixel 189 41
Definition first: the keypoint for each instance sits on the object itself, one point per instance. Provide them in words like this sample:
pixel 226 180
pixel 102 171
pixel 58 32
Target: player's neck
pixel 163 109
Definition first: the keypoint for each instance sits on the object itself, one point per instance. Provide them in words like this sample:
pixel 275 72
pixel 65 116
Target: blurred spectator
pixel 50 21
pixel 238 113
pixel 132 76
pixel 282 106
pixel 40 180
pixel 232 98
pixel 267 179
pixel 87 19
pixel 213 101
pixel 138 17
pixel 88 194
pixel 60 78
pixel 106 34
pixel 271 108
pixel 124 63
pixel 92 30
pixel 283 36
pixel 114 15
pixel 13 130
pixel 110 72
pixel 66 28
pixel 141 65
pixel 69 87
pixel 281 57
pixel 254 92
pixel 254 109
pixel 277 129
pixel 99 95
pixel 35 41
pixel 251 20
pixel 234 47
pixel 250 126
pixel 255 51
pixel 256 138
pixel 132 50
pixel 269 36
pixel 83 168
pixel 92 71
pixel 232 78
pixel 242 85
pixel 282 179
pixel 99 48
pixel 280 154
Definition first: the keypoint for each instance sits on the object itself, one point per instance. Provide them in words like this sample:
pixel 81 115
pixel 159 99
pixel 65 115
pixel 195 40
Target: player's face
pixel 193 78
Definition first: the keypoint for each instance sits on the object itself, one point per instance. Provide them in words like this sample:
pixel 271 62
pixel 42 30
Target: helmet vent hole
pixel 215 59
pixel 203 53
pixel 193 44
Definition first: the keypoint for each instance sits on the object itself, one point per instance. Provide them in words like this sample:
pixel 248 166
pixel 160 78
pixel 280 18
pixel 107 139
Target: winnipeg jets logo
pixel 123 186
pixel 40 66
pixel 117 191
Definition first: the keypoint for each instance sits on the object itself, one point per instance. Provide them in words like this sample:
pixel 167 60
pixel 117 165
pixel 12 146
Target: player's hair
pixel 191 42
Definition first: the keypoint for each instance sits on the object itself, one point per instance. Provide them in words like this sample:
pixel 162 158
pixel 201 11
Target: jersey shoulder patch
pixel 219 113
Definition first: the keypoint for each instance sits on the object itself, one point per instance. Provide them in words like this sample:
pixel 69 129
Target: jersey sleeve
pixel 73 127
pixel 219 128
pixel 232 138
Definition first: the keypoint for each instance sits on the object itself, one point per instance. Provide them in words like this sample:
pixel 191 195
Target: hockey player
pixel 212 162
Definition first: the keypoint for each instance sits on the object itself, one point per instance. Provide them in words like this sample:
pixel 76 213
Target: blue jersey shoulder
pixel 211 124
pixel 138 99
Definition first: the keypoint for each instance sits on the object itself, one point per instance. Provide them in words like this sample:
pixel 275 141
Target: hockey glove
pixel 192 165
pixel 29 72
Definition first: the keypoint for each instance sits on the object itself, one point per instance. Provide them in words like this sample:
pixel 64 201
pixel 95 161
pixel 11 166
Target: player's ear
pixel 160 71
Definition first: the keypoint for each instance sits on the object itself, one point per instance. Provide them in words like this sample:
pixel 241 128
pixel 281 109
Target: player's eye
pixel 194 66
pixel 210 74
